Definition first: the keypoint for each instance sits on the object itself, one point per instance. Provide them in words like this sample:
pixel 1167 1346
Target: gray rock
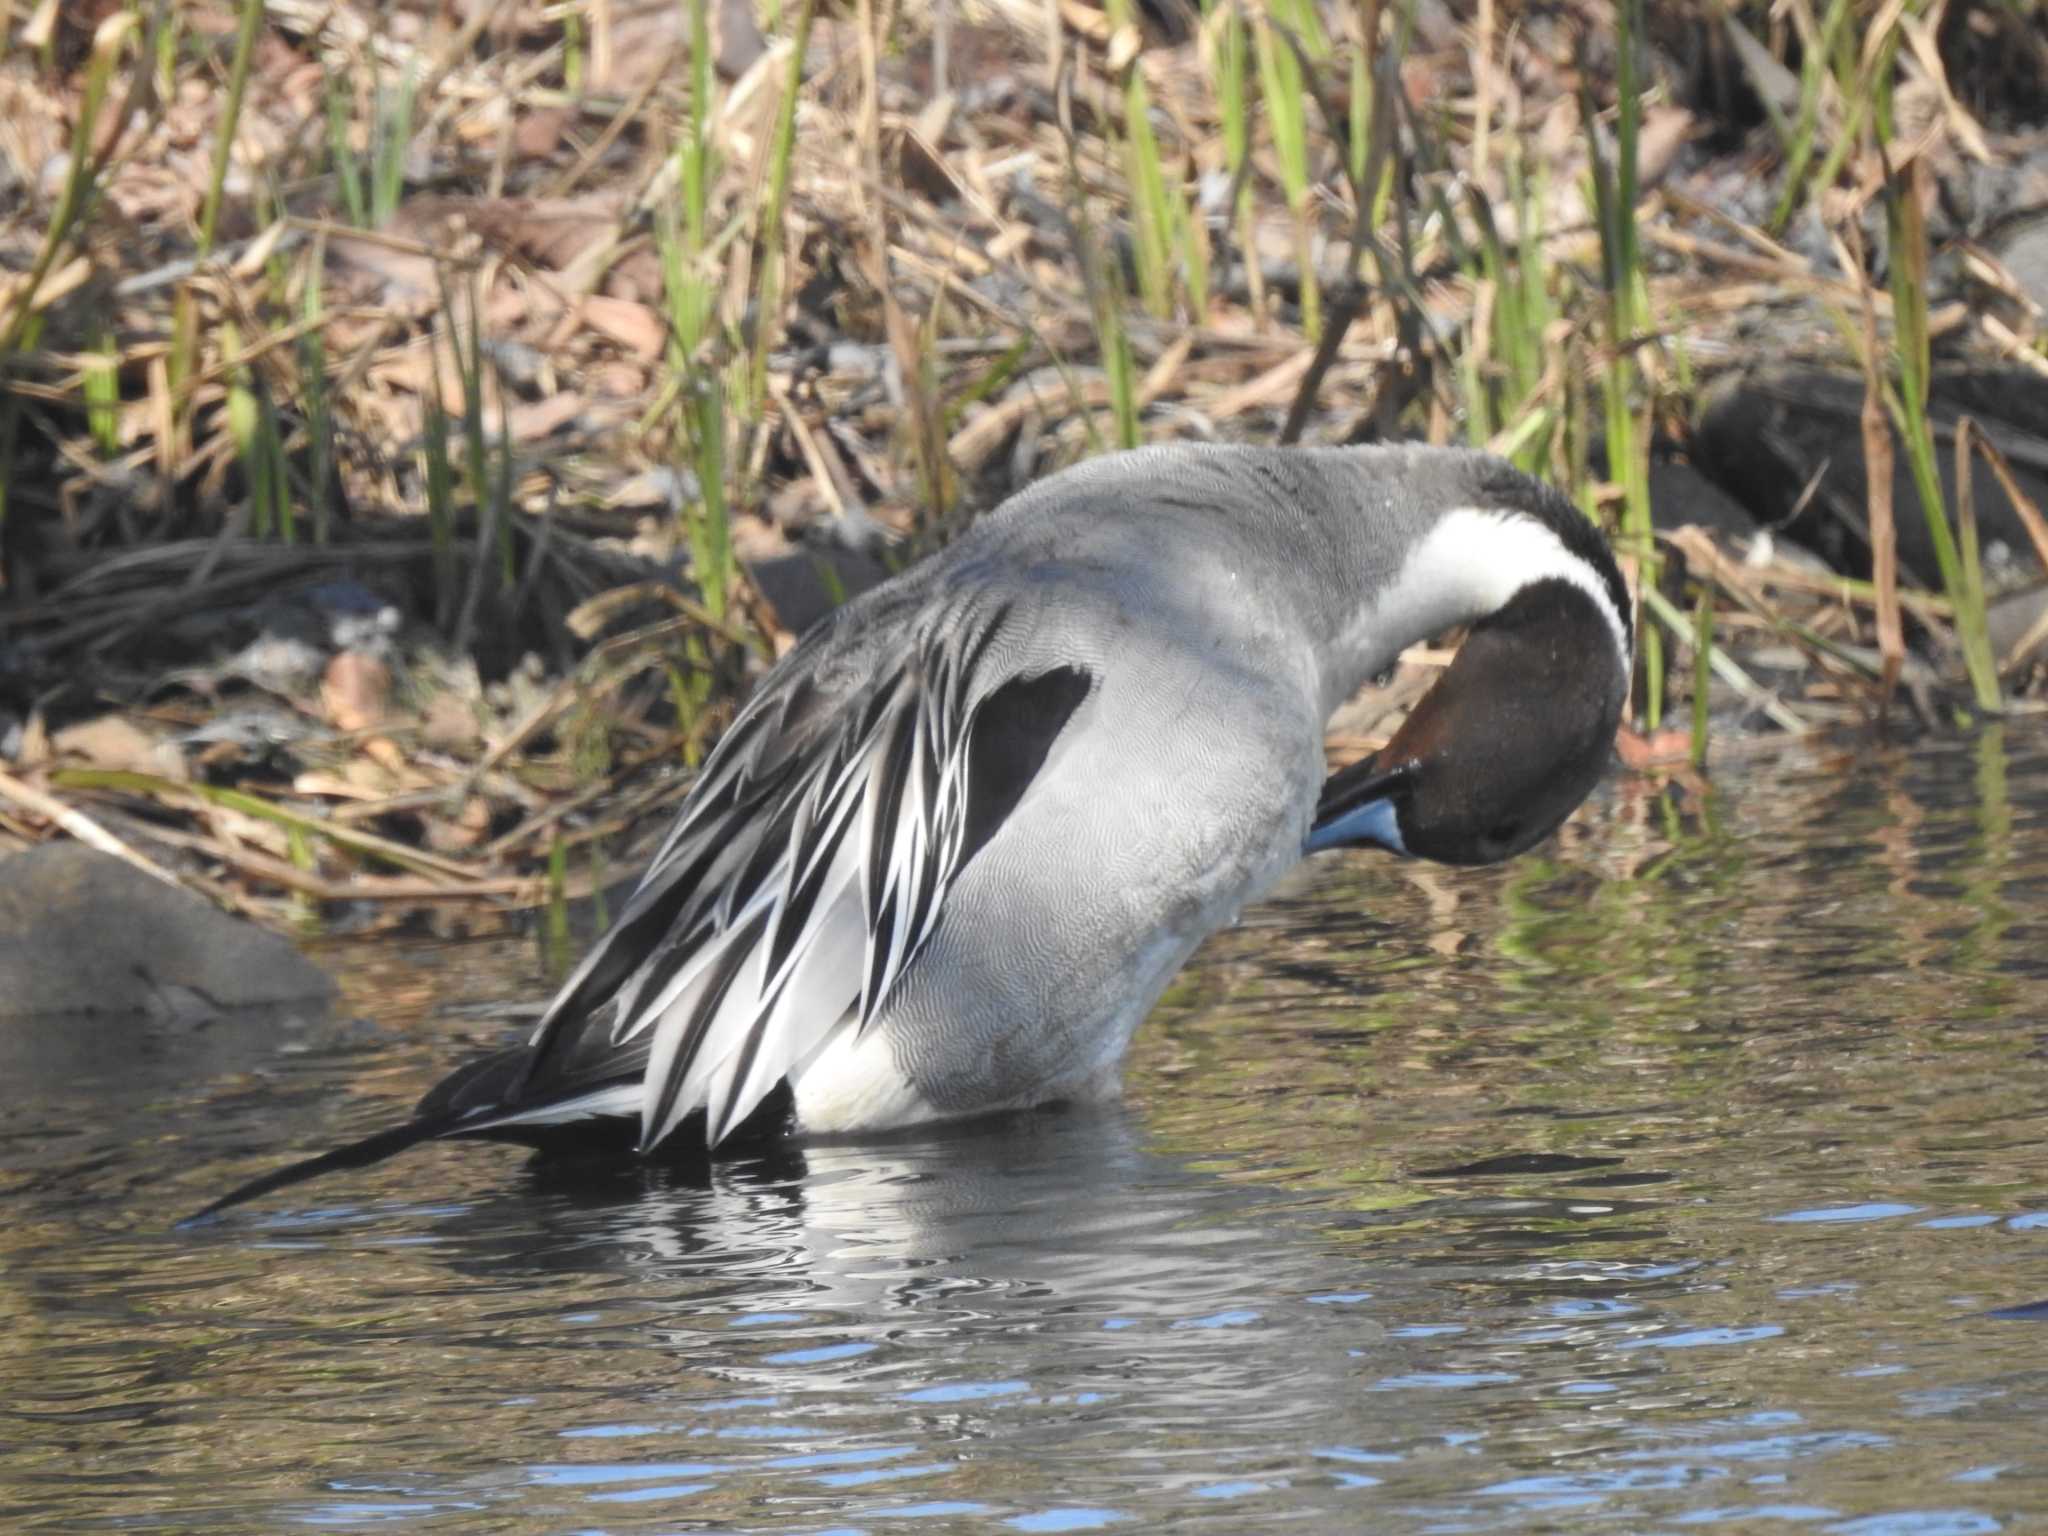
pixel 82 932
pixel 1680 496
pixel 2024 253
pixel 2012 617
pixel 798 588
pixel 1787 444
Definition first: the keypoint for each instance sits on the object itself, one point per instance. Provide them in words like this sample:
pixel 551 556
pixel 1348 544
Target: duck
pixel 961 837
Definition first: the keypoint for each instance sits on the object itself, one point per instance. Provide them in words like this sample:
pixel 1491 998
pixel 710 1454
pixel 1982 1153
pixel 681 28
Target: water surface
pixel 1692 1175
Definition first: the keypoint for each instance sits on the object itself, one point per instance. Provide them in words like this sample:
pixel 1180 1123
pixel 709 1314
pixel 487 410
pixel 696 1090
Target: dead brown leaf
pixel 449 725
pixel 549 232
pixel 538 134
pixel 115 741
pixel 355 691
pixel 643 41
pixel 534 419
pixel 464 830
pixel 634 326
pixel 617 380
pixel 1658 749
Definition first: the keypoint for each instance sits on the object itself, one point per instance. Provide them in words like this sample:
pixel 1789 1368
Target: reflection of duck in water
pixel 979 1301
pixel 1064 1214
pixel 1074 1197
pixel 951 852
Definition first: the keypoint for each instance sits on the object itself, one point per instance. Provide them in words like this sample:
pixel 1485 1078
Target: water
pixel 1693 1176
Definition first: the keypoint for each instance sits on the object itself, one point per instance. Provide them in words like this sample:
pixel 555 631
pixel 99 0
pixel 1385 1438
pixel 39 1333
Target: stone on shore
pixel 83 932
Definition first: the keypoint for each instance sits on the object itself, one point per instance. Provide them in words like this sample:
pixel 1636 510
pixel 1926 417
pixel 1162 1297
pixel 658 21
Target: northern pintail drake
pixel 951 852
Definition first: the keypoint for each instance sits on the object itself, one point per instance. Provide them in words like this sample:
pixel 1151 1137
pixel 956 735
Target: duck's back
pixel 963 834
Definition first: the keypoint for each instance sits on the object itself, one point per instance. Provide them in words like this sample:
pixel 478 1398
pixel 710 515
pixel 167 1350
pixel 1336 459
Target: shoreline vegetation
pixel 420 423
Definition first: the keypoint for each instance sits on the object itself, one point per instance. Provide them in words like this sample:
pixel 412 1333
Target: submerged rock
pixel 82 932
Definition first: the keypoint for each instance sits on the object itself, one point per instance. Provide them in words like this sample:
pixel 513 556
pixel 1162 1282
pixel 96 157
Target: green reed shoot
pixel 928 416
pixel 230 121
pixel 683 240
pixel 305 910
pixel 1151 233
pixel 1912 351
pixel 556 948
pixel 162 48
pixel 687 696
pixel 100 383
pixel 341 154
pixel 313 399
pixel 1192 230
pixel 1227 64
pixel 1614 197
pixel 1822 59
pixel 990 380
pixel 1860 88
pixel 1358 136
pixel 76 196
pixel 259 444
pixel 1509 398
pixel 184 316
pixel 1702 671
pixel 768 304
pixel 1286 97
pixel 572 52
pixel 1659 608
pixel 1908 406
pixel 1103 276
pixel 392 138
pixel 600 909
pixel 337 834
pixel 371 193
pixel 490 485
pixel 486 474
pixel 691 294
pixel 437 471
pixel 1102 279
pixel 486 467
pixel 1968 551
pixel 1155 219
pixel 1528 311
pixel 1865 77
pixel 1123 373
pixel 1227 58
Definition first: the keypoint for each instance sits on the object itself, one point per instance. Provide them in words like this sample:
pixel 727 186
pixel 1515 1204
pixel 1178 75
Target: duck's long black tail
pixel 373 1148
pixel 477 1101
pixel 485 1100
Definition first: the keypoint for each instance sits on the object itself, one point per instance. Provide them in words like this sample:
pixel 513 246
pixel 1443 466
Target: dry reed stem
pixel 77 824
pixel 1884 541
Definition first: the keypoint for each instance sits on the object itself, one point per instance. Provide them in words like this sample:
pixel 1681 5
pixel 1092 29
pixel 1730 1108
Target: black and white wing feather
pixel 808 868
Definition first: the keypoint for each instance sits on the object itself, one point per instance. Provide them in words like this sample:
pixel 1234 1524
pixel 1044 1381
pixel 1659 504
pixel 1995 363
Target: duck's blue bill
pixel 1372 823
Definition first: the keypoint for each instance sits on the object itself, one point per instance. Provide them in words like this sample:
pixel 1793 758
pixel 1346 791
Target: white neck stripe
pixel 1472 563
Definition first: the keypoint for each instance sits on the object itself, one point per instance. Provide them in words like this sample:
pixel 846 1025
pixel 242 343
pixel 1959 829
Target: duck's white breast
pixel 855 1084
